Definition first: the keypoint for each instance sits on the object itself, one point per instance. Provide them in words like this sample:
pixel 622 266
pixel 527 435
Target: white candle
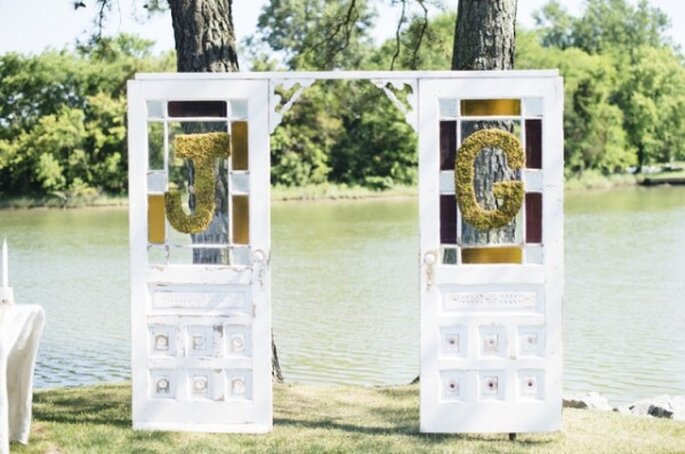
pixel 5 264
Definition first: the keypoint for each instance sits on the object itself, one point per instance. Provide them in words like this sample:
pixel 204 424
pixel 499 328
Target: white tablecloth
pixel 20 329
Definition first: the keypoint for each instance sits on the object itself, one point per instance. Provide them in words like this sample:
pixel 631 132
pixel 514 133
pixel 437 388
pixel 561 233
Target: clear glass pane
pixel 182 174
pixel 449 255
pixel 188 255
pixel 155 145
pixel 490 167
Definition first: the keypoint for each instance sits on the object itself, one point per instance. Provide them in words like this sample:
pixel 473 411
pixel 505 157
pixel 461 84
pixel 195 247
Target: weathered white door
pixel 491 358
pixel 200 285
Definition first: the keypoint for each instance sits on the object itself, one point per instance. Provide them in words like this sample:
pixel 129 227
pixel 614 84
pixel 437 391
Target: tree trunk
pixel 205 42
pixel 484 39
pixel 204 35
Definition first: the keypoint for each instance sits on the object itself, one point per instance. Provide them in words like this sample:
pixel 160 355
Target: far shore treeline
pixel 63 113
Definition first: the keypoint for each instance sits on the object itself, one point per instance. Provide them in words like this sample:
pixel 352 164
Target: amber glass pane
pixel 197 109
pixel 486 107
pixel 239 145
pixel 533 217
pixel 534 144
pixel 448 219
pixel 511 254
pixel 448 144
pixel 155 218
pixel 241 219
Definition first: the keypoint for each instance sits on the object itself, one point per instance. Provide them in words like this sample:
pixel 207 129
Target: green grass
pixel 309 419
pixel 592 179
pixel 56 202
pixel 665 175
pixel 338 192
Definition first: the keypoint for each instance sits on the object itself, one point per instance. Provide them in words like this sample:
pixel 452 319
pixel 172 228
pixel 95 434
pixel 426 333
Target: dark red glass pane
pixel 448 144
pixel 182 109
pixel 448 219
pixel 533 217
pixel 534 144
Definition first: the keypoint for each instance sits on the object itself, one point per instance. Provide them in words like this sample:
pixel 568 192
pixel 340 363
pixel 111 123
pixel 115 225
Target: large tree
pixel 484 39
pixel 204 35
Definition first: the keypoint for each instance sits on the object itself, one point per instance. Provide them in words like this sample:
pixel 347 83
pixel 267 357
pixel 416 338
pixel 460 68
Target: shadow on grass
pixel 109 405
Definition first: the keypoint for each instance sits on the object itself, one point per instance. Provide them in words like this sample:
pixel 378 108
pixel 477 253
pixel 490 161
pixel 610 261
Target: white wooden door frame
pixel 470 410
pixel 246 286
pixel 420 109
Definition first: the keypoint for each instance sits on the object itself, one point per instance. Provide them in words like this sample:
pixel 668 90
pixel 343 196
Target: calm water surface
pixel 345 291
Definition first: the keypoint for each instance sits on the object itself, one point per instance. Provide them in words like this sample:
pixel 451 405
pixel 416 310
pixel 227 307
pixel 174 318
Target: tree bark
pixel 484 39
pixel 205 42
pixel 204 35
pixel 484 35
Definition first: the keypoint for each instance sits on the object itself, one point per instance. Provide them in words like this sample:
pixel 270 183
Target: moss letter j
pixel 510 192
pixel 203 150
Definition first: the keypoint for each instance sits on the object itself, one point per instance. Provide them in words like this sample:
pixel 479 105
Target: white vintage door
pixel 200 303
pixel 491 358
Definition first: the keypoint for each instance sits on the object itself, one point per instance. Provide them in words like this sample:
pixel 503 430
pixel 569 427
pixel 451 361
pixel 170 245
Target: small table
pixel 20 329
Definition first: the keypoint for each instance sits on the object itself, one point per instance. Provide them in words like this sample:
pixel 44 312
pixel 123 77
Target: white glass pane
pixel 155 109
pixel 448 108
pixel 240 182
pixel 532 107
pixel 238 109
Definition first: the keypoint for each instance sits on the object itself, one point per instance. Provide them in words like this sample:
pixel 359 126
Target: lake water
pixel 345 291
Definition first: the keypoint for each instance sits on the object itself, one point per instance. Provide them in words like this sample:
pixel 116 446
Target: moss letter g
pixel 510 192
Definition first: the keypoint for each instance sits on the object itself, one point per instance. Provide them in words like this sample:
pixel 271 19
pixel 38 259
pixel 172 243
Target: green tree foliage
pixel 342 132
pixel 624 82
pixel 62 113
pixel 593 126
pixel 426 48
pixel 62 117
pixel 314 34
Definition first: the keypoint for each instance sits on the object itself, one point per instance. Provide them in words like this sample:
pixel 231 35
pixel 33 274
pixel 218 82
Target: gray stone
pixel 592 401
pixel 663 406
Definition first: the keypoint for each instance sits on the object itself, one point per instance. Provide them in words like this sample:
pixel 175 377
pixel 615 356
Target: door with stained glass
pixel 491 251
pixel 199 249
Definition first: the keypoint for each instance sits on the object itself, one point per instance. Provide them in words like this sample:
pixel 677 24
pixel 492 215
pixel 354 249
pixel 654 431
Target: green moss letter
pixel 203 150
pixel 511 192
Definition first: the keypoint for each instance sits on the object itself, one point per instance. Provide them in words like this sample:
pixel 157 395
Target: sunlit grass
pixel 338 192
pixel 309 419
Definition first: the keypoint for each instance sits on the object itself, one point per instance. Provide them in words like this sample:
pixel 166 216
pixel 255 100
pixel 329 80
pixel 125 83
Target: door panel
pixel 200 286
pixel 491 310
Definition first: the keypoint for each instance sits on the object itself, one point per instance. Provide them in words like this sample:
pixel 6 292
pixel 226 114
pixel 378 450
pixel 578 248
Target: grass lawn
pixel 309 419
